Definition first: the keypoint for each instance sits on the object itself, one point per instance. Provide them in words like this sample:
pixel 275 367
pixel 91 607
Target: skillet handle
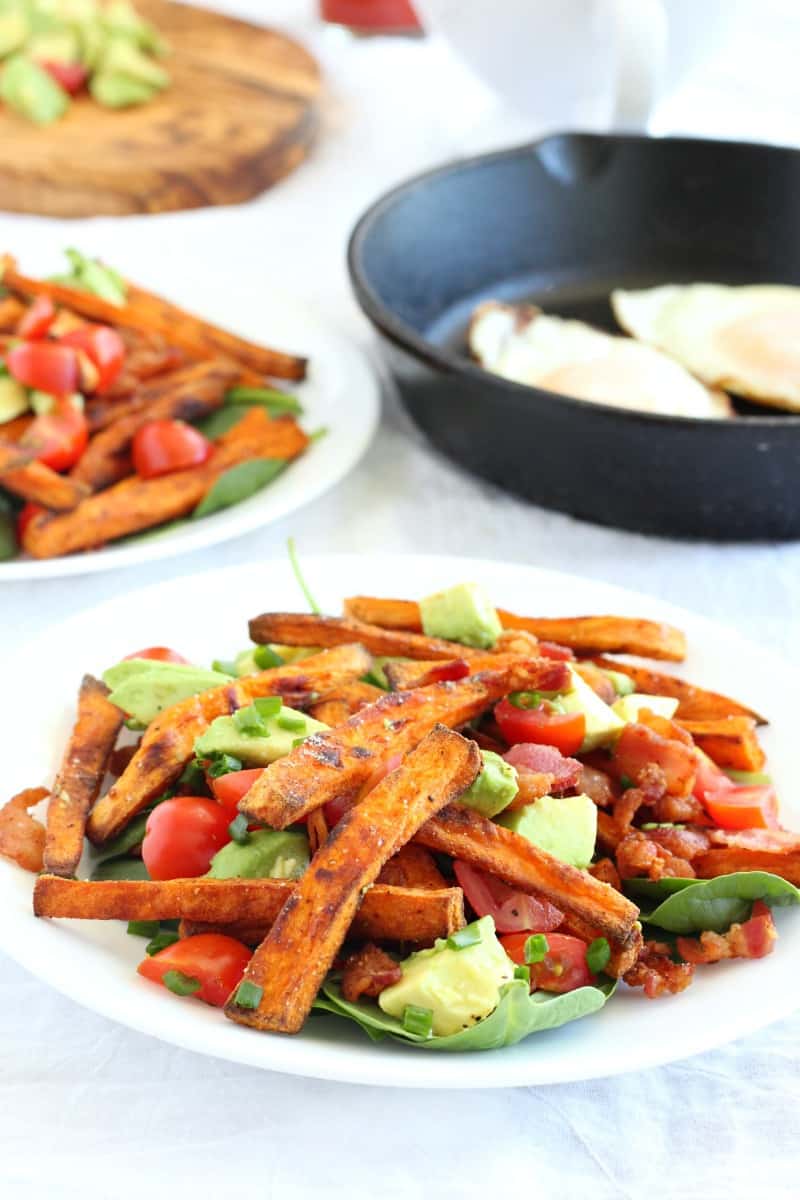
pixel 640 38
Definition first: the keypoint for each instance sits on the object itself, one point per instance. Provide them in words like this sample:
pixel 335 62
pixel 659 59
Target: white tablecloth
pixel 92 1110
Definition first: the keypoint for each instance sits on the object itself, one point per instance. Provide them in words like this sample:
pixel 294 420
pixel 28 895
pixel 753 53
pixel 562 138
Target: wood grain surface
pixel 239 114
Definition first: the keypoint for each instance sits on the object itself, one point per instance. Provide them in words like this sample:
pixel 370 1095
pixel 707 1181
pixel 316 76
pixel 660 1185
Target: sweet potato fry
pixel 13 430
pixel 184 395
pixel 623 954
pixel 80 776
pixel 464 833
pixel 695 703
pixel 146 311
pixel 412 867
pixel 13 456
pixel 135 504
pixel 586 635
pixel 244 906
pixel 11 311
pixel 730 742
pixel 308 629
pixel 336 707
pixel 342 762
pixel 741 858
pixel 299 949
pixel 21 835
pixel 168 742
pixel 38 483
pixel 405 675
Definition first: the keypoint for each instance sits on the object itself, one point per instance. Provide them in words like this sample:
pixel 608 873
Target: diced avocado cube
pixel 459 986
pixel 494 788
pixel 14 31
pixel 267 854
pixel 224 736
pixel 602 723
pixel 623 684
pixel 122 58
pixel 629 707
pixel 91 275
pixel 13 399
pixel 564 826
pixel 463 613
pixel 30 91
pixel 57 45
pixel 143 693
pixel 120 91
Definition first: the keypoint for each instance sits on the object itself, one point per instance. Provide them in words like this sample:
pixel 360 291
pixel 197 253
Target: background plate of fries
pixel 340 396
pixel 94 962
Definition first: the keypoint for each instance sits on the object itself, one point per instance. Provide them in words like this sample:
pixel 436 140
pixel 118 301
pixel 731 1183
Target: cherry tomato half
pixel 37 320
pixel 743 807
pixel 158 654
pixel 58 438
pixel 103 346
pixel 163 446
pixel 46 366
pixel 229 789
pixel 69 76
pixel 510 909
pixel 541 724
pixel 563 967
pixel 182 835
pixel 217 961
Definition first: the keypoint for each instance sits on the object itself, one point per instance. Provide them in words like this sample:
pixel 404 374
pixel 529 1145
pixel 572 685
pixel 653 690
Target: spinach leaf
pixel 131 836
pixel 518 1015
pixel 221 420
pixel 693 905
pixel 121 868
pixel 239 483
pixel 276 403
pixel 8 536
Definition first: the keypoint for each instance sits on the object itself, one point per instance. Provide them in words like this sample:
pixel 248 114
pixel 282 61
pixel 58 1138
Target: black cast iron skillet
pixel 560 223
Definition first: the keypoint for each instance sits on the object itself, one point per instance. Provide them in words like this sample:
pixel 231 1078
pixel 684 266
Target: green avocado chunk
pixel 603 725
pixel 495 787
pixel 31 91
pixel 460 986
pixel 142 688
pixel 564 826
pixel 267 854
pixel 14 30
pixel 463 613
pixel 13 399
pixel 122 58
pixel 120 91
pixel 225 736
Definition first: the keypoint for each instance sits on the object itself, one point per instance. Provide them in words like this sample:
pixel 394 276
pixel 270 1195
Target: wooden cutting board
pixel 239 114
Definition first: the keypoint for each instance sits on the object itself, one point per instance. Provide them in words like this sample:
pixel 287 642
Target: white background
pixel 90 1109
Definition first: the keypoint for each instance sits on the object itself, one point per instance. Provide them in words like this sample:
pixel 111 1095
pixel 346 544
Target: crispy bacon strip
pixel 135 504
pixel 341 763
pixel 308 629
pixel 412 867
pixel 37 483
pixel 729 741
pixel 21 835
pixel 367 972
pixel 694 703
pixel 463 833
pixel 78 781
pixel 656 973
pixel 299 949
pixel 185 395
pixel 168 743
pixel 586 635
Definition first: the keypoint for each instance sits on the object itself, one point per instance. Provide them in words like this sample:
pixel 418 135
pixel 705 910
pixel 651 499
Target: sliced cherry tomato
pixel 38 319
pixel 163 446
pixel 25 516
pixel 182 835
pixel 103 346
pixel 58 438
pixel 564 966
pixel 743 807
pixel 158 654
pixel 541 724
pixel 229 789
pixel 216 960
pixel 69 76
pixel 46 366
pixel 511 909
pixel 709 778
pixel 457 669
pixel 334 810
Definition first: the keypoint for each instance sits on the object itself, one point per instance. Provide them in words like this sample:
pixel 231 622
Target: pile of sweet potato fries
pixel 177 367
pixel 397 765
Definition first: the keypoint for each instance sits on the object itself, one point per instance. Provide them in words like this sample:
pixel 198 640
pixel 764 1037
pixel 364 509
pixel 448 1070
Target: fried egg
pixel 569 357
pixel 744 339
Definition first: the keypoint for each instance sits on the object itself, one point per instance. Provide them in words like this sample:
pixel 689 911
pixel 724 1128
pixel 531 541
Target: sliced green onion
pixel 317 435
pixel 536 946
pixel 527 700
pixel 598 953
pixel 470 935
pixel 167 937
pixel 418 1020
pixel 248 995
pixel 238 830
pixel 147 929
pixel 223 764
pixel 291 722
pixel 268 706
pixel 298 574
pixel 522 972
pixel 180 984
pixel 226 665
pixel 265 657
pixel 249 721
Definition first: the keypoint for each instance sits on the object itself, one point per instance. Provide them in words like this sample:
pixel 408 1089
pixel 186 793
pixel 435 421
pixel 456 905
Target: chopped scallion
pixel 291 722
pixel 598 953
pixel 418 1020
pixel 249 721
pixel 248 995
pixel 223 764
pixel 522 972
pixel 147 929
pixel 267 706
pixel 470 935
pixel 238 830
pixel 265 657
pixel 180 984
pixel 167 937
pixel 536 946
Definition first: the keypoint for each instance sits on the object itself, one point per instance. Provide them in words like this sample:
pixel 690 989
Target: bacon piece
pixel 656 973
pixel 640 855
pixel 606 872
pixel 367 972
pixel 21 836
pixel 546 760
pixel 597 785
pixel 752 939
pixel 532 786
pixel 638 746
pixel 650 790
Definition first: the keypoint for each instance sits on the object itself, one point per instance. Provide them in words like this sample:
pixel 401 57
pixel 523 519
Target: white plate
pixel 341 394
pixel 205 617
